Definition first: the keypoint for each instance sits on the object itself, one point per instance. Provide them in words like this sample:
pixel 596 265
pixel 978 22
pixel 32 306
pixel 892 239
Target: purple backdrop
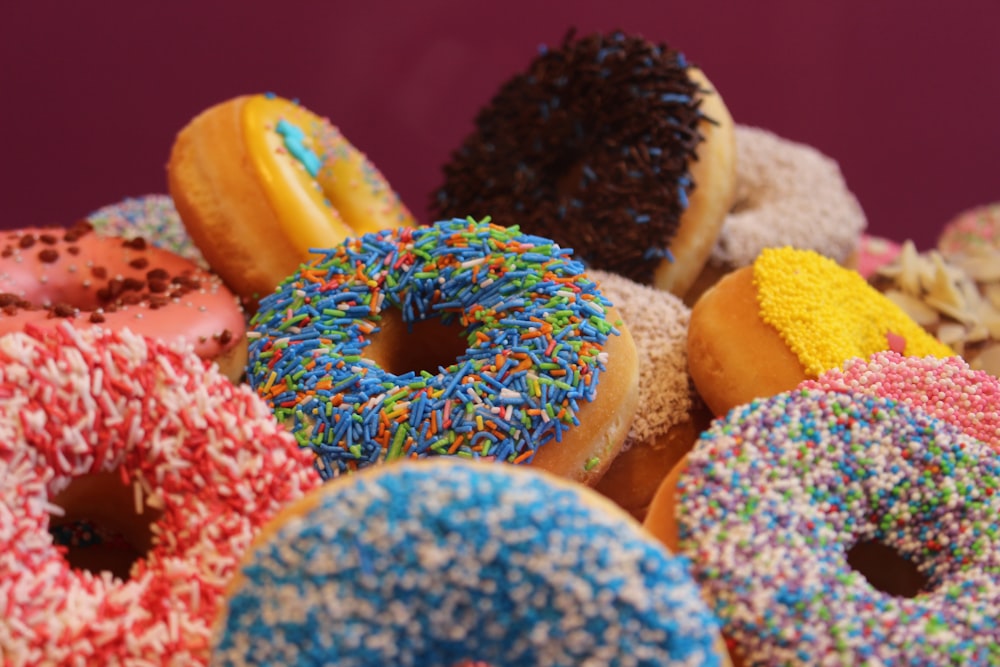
pixel 93 93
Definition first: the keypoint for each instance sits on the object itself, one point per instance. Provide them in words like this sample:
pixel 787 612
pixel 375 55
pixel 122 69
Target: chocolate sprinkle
pixel 589 147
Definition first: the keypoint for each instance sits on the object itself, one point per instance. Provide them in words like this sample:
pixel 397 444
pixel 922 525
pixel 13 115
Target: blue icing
pixel 432 565
pixel 295 145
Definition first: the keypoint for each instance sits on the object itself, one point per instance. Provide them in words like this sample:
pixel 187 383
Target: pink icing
pixel 48 275
pixel 875 252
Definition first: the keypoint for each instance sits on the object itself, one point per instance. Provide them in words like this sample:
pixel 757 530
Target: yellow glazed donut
pixel 260 180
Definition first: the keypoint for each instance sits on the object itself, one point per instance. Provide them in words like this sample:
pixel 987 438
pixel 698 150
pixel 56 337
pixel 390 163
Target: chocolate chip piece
pixel 96 317
pixel 225 337
pixel 63 310
pixel 138 243
pixel 26 241
pixel 48 239
pixel 157 274
pixel 139 263
pixel 99 272
pixel 73 250
pixel 49 255
pixel 133 284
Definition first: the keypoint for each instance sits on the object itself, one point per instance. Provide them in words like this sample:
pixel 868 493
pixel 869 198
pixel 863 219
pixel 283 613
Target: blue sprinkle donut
pixel 438 562
pixel 775 497
pixel 532 333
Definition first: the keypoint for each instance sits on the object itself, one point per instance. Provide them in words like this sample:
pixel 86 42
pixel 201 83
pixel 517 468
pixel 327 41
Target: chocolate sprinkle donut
pixel 590 147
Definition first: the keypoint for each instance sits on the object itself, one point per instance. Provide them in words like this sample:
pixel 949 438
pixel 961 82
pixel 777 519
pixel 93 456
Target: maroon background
pixel 91 94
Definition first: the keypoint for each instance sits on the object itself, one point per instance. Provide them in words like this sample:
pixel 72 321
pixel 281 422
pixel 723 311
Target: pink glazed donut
pixel 48 275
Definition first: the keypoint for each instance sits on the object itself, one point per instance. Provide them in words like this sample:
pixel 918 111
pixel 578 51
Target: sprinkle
pixel 536 301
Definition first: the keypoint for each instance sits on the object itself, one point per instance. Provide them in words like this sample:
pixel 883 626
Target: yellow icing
pixel 827 314
pixel 347 197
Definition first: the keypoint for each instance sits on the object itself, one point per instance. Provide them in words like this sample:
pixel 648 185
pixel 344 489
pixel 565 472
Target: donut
pixel 609 144
pixel 260 181
pixel 501 564
pixel 971 231
pixel 954 297
pixel 872 254
pixel 49 275
pixel 461 338
pixel 144 438
pixel 787 317
pixel 670 415
pixel 153 217
pixel 945 388
pixel 787 194
pixel 789 507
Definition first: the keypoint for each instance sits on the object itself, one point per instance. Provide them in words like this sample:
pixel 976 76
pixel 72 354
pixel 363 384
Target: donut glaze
pixel 775 496
pixel 437 562
pixel 545 373
pixel 610 144
pixel 260 181
pixel 50 275
pixel 202 454
pixel 152 217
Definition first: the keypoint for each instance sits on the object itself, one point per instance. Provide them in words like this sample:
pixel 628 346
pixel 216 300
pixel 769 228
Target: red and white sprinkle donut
pixel 199 455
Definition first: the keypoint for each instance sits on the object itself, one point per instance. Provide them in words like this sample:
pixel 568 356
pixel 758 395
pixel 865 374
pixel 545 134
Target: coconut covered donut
pixel 670 415
pixel 438 562
pixel 152 217
pixel 153 445
pixel 789 316
pixel 463 338
pixel 611 145
pixel 784 504
pixel 787 194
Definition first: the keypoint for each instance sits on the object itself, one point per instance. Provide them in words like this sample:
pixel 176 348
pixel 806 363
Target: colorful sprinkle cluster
pixel 591 147
pixel 152 217
pixel 971 231
pixel 778 492
pixel 435 563
pixel 534 323
pixel 803 294
pixel 206 453
pixel 945 388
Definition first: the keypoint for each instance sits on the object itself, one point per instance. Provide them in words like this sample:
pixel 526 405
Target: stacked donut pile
pixel 375 441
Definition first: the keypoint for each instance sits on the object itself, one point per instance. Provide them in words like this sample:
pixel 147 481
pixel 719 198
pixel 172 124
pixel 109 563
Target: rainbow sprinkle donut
pixel 776 495
pixel 533 331
pixel 439 562
pixel 152 217
pixel 945 388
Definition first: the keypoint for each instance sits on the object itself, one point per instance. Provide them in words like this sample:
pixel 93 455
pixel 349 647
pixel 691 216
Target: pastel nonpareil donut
pixel 147 441
pixel 438 562
pixel 873 253
pixel 971 231
pixel 48 275
pixel 670 415
pixel 783 505
pixel 789 316
pixel 462 338
pixel 609 144
pixel 945 388
pixel 152 217
pixel 787 194
pixel 260 181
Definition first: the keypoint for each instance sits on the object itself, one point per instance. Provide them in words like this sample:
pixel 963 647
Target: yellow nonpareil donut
pixel 260 180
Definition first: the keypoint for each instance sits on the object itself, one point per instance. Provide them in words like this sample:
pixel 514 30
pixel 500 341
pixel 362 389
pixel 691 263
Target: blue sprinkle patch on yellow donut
pixel 534 323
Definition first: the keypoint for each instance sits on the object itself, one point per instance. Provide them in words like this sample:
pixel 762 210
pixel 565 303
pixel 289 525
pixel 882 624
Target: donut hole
pixel 101 529
pixel 400 347
pixel 886 569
